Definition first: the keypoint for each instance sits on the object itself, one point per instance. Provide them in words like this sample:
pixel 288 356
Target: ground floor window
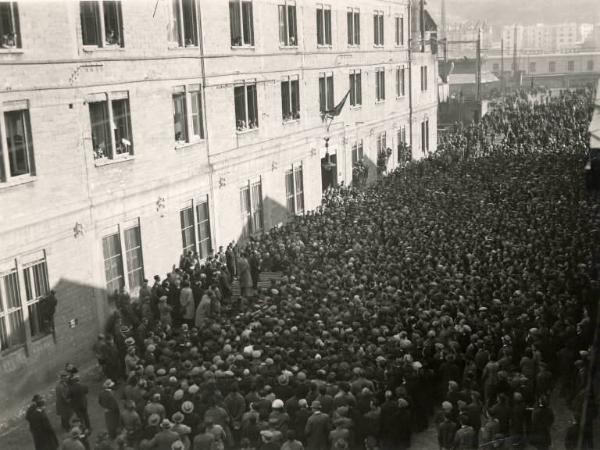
pixel 123 258
pixel 23 287
pixel 195 228
pixel 252 208
pixel 294 190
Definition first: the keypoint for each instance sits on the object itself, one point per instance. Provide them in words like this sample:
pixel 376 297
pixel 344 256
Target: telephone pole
pixel 478 67
pixel 502 64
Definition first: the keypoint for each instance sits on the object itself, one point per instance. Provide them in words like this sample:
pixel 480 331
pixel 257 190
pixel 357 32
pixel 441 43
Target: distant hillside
pixel 502 12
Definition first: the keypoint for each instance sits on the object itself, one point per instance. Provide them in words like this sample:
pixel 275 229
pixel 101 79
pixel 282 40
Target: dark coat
pixel 44 437
pixel 317 431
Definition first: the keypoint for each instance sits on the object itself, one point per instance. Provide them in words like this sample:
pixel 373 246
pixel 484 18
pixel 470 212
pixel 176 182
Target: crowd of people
pixel 459 291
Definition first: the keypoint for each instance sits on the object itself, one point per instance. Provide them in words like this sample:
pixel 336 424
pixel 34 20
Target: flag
pixel 338 108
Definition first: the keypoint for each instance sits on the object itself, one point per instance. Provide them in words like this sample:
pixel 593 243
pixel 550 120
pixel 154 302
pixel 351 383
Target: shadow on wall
pixel 22 374
pixel 274 213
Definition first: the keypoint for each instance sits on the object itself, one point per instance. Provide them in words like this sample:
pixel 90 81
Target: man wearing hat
pixel 154 406
pixel 79 402
pixel 131 421
pixel 164 438
pixel 317 428
pixel 73 441
pixel 108 401
pixel 63 400
pixel 44 437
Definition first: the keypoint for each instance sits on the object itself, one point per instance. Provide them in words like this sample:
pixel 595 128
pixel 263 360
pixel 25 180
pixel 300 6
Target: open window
pixel 101 23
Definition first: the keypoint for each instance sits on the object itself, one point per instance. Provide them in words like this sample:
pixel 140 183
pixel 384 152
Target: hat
pixel 153 420
pixel 277 404
pixel 166 424
pixel 187 407
pixel 193 389
pixel 161 372
pixel 75 432
pixel 177 417
pixel 177 445
pixel 130 341
pixel 108 383
pixel 178 394
pixel 316 404
pixel 302 403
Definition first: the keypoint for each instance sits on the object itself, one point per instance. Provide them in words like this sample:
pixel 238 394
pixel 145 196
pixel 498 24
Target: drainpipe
pixel 215 234
pixel 410 86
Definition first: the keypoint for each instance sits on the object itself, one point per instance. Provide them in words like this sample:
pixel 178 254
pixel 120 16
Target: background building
pixel 552 70
pixel 143 129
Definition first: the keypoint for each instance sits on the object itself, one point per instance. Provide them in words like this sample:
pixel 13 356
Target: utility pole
pixel 515 68
pixel 422 24
pixel 443 36
pixel 502 64
pixel 478 68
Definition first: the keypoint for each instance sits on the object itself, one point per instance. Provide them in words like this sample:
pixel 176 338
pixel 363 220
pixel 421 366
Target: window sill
pixel 288 47
pixel 186 47
pixel 107 161
pixel 291 121
pixel 17 181
pixel 377 46
pixel 324 46
pixel 13 349
pixel 353 45
pixel 243 47
pixel 41 336
pixel 356 106
pixel 11 50
pixel 183 145
pixel 401 97
pixel 95 48
pixel 380 102
pixel 247 131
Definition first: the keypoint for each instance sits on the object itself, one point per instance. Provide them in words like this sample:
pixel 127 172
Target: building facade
pixel 555 70
pixel 141 130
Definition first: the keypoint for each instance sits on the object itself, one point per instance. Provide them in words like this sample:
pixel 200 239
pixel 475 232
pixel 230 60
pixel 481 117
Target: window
pixel 378 28
pixel 101 23
pixel 187 114
pixel 532 67
pixel 571 66
pixel 425 135
pixel 133 253
pixel 204 235
pixel 399 31
pixel 120 261
pixel 402 153
pixel 552 66
pixel 326 92
pixel 184 24
pixel 35 278
pixel 195 228
pixel 111 111
pixel 590 64
pixel 400 82
pixel 16 144
pixel 290 98
pixel 380 84
pixel 423 78
pixel 323 25
pixel 355 88
pixel 353 19
pixel 357 152
pixel 246 107
pixel 188 232
pixel 241 23
pixel 381 142
pixel 12 325
pixel 251 201
pixel 10 34
pixel 294 190
pixel 113 263
pixel 287 24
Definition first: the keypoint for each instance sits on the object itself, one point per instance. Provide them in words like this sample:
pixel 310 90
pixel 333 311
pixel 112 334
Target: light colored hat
pixel 277 404
pixel 187 407
pixel 166 424
pixel 108 383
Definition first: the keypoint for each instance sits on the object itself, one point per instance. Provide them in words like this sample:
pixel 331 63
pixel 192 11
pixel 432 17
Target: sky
pixel 506 12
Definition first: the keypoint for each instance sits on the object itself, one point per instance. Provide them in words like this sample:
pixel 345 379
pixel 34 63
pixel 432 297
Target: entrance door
pixel 328 172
